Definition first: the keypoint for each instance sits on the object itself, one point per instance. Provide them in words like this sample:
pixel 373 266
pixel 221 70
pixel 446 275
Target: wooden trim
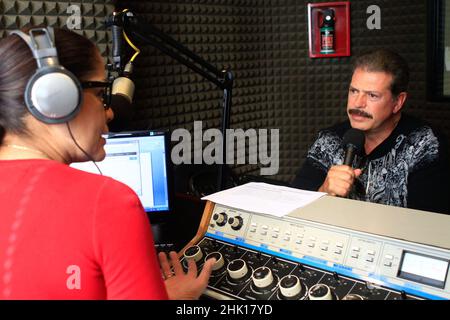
pixel 203 227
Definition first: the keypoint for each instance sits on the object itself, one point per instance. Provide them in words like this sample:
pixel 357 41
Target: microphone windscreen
pixel 355 138
pixel 123 86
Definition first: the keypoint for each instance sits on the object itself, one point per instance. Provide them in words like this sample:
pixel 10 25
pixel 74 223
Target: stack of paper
pixel 264 198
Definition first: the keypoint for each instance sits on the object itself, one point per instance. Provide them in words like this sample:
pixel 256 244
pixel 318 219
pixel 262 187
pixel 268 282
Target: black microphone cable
pixel 82 150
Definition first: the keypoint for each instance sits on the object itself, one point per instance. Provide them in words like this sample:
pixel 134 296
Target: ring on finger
pixel 170 275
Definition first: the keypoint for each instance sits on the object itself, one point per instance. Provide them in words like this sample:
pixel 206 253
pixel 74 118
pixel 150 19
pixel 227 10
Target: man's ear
pixel 399 102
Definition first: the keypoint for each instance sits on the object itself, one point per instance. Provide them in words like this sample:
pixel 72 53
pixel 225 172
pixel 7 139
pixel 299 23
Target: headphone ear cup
pixel 53 95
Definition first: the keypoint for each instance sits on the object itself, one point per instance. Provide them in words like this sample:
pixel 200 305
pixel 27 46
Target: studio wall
pixel 277 85
pixel 265 43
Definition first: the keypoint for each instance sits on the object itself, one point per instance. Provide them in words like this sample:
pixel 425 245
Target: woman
pixel 64 233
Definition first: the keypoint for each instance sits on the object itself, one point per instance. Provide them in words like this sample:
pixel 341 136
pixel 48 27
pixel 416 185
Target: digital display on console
pixel 423 269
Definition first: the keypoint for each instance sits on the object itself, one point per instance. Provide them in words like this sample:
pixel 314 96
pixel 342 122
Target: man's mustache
pixel 358 112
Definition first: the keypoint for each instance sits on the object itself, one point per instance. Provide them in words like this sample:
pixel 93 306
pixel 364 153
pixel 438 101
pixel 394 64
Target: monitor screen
pixel 140 160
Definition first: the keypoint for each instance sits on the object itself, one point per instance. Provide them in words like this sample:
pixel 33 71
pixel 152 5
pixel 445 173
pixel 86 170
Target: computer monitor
pixel 140 159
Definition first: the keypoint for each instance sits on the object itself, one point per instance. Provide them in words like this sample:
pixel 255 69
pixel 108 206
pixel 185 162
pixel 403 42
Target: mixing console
pixel 263 257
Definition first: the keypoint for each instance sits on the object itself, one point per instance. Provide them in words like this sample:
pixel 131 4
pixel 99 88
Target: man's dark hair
pixel 384 60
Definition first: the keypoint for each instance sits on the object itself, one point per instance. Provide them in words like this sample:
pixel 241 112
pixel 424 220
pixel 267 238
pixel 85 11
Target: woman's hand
pixel 181 285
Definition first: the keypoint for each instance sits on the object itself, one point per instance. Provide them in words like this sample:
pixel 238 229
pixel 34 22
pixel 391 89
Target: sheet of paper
pixel 264 198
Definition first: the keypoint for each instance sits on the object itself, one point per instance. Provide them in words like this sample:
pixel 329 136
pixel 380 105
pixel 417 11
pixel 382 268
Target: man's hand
pixel 180 285
pixel 339 180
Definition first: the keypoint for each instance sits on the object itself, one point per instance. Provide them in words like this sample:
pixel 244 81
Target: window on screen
pixel 140 163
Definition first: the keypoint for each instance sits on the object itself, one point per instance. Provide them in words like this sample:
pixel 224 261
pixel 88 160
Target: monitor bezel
pixel 163 215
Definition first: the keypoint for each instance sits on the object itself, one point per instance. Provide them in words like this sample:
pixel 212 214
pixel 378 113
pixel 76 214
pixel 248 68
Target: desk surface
pixel 394 222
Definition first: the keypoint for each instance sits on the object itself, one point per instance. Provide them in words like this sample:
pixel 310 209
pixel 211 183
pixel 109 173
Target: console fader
pixel 333 249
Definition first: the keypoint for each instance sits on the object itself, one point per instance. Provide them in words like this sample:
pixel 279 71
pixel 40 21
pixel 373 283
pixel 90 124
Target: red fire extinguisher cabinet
pixel 341 31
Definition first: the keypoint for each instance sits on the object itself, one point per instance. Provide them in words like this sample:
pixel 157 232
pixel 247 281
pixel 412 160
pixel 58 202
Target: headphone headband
pixel 41 42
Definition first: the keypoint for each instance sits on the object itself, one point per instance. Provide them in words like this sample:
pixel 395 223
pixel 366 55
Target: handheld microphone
pixel 353 142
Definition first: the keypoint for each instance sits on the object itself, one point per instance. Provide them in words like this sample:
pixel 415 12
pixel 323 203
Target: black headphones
pixel 53 94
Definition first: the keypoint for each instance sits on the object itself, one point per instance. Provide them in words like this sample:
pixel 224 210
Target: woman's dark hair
pixel 384 60
pixel 17 64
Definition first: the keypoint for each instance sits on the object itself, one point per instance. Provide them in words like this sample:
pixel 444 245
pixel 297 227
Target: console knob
pixel 370 286
pixel 290 286
pixel 336 276
pixel 353 297
pixel 193 252
pixel 236 222
pixel 262 277
pixel 320 291
pixel 403 295
pixel 220 262
pixel 220 218
pixel 237 269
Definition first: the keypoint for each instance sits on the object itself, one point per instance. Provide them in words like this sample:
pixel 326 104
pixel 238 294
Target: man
pixel 405 162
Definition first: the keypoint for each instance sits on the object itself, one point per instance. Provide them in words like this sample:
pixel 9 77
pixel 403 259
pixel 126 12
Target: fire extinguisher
pixel 327 36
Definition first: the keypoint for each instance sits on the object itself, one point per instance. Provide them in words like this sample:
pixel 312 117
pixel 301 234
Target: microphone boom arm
pixel 223 79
